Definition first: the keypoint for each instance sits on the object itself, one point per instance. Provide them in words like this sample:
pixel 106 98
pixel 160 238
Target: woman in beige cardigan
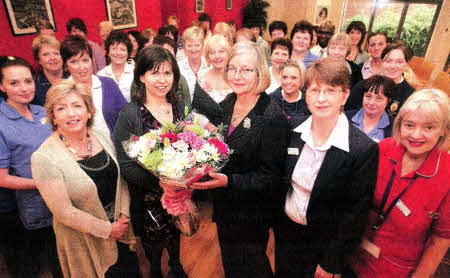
pixel 78 176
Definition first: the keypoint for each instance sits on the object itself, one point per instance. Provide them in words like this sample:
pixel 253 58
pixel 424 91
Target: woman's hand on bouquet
pixel 210 127
pixel 119 228
pixel 219 180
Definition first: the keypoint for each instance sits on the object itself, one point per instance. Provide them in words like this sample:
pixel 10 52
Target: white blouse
pixel 308 166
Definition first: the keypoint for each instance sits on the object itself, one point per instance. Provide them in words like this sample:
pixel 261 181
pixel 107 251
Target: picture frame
pixel 199 6
pixel 321 11
pixel 23 15
pixel 122 13
pixel 229 4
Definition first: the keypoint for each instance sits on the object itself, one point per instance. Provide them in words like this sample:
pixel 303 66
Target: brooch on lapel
pixel 43 121
pixel 247 123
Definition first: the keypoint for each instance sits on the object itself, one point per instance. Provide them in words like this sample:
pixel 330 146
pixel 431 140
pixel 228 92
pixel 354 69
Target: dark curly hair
pixel 117 36
pixel 150 59
pixel 77 23
pixel 303 26
pixel 282 43
pixel 72 46
pixel 278 25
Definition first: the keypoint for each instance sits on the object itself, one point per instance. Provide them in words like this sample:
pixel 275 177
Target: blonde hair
pixel 193 33
pixel 60 90
pixel 246 33
pixel 224 29
pixel 431 102
pixel 294 64
pixel 338 38
pixel 215 41
pixel 250 48
pixel 148 33
pixel 173 18
pixel 106 25
pixel 41 40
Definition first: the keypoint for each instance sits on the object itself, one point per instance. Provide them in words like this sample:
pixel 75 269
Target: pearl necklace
pixel 72 150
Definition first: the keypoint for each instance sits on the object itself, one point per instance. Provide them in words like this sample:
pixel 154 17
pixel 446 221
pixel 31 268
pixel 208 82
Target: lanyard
pixel 382 216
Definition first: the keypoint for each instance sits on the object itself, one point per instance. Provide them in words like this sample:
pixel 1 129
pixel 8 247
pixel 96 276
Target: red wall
pixel 150 13
pixel 215 9
pixel 91 11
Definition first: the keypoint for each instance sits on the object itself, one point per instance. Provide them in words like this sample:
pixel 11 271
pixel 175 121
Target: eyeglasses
pixel 330 92
pixel 242 71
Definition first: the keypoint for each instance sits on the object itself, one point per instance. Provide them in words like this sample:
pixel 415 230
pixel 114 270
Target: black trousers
pixel 127 265
pixel 296 249
pixel 12 243
pixel 243 249
pixel 40 253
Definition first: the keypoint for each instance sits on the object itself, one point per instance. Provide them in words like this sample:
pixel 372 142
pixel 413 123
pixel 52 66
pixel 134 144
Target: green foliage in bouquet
pixel 153 160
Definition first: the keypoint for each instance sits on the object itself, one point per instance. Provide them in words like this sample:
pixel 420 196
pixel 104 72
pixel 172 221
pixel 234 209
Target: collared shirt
pixel 97 97
pixel 189 74
pixel 377 133
pixel 367 69
pixel 319 51
pixel 308 166
pixel 42 85
pixel 424 211
pixel 19 138
pixel 309 59
pixel 98 59
pixel 125 79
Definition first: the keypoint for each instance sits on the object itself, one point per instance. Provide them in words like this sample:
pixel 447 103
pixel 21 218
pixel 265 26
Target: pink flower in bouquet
pixel 134 138
pixel 187 136
pixel 192 139
pixel 172 136
pixel 197 143
pixel 221 146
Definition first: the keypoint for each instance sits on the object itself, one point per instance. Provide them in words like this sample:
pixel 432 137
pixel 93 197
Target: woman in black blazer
pixel 245 192
pixel 330 174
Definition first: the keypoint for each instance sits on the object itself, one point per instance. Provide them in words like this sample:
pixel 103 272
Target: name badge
pixel 403 208
pixel 293 151
pixel 371 248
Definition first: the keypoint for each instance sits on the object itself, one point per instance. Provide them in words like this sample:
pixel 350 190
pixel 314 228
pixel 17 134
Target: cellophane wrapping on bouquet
pixel 180 154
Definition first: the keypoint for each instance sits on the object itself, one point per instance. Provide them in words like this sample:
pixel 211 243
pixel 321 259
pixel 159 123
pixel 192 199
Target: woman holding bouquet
pixel 153 102
pixel 244 192
pixel 77 174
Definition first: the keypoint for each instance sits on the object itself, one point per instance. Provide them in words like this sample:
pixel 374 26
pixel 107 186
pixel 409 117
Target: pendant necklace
pixel 73 151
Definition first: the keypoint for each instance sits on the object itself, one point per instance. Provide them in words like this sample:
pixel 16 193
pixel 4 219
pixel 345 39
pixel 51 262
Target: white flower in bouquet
pixel 180 145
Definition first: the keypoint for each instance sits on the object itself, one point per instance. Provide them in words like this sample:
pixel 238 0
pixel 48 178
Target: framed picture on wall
pixel 122 13
pixel 23 15
pixel 321 14
pixel 199 6
pixel 229 4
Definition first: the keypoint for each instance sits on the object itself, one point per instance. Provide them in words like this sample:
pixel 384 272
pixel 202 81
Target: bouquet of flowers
pixel 180 154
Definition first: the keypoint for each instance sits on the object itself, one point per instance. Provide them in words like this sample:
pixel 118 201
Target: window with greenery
pixel 410 21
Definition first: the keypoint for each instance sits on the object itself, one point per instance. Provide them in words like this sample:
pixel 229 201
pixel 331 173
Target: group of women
pixel 340 204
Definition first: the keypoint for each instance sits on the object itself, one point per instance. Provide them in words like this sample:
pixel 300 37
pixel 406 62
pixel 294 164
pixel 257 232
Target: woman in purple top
pixel 23 131
pixel 108 99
